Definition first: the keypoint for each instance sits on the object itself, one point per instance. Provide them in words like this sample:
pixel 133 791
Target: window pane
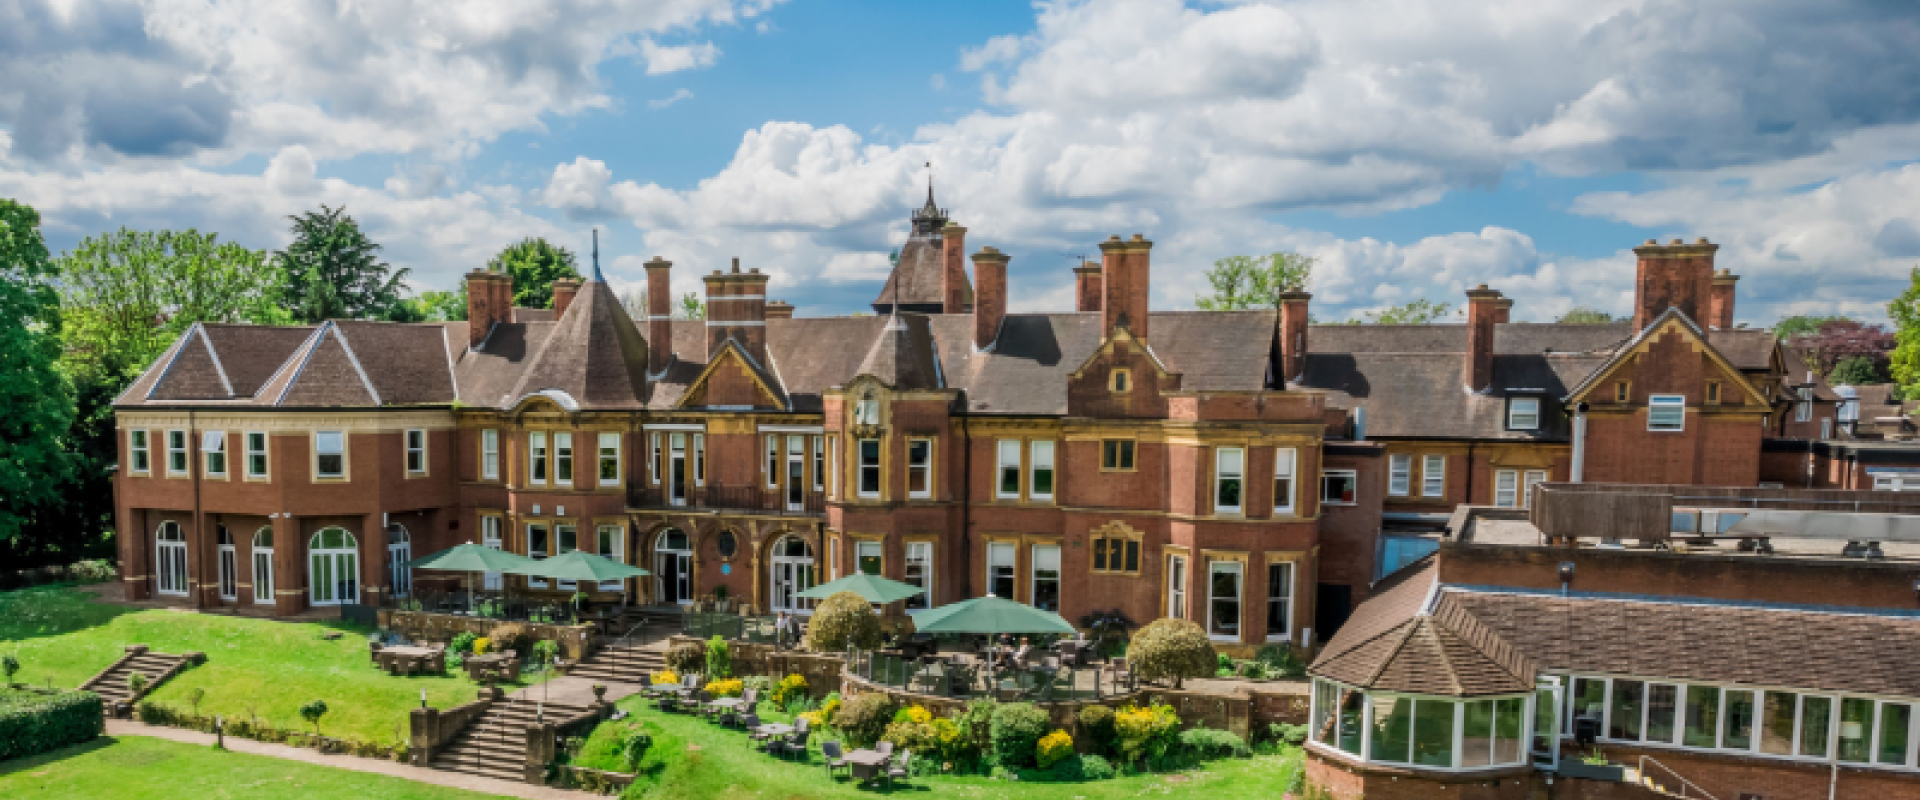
pixel 1895 724
pixel 1856 729
pixel 1629 698
pixel 1737 725
pixel 1100 554
pixel 1815 725
pixel 1702 717
pixel 1433 476
pixel 869 466
pixel 1399 475
pixel 1507 717
pixel 1324 694
pixel 1133 556
pixel 1392 729
pixel 1046 578
pixel 1279 599
pixel 1662 708
pixel 1433 733
pixel 1223 617
pixel 1776 723
pixel 1476 735
pixel 1043 469
pixel 867 557
pixel 1352 711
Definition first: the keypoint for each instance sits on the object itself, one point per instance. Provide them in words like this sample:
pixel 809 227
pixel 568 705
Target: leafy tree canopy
pixel 334 271
pixel 1417 312
pixel 534 265
pixel 127 295
pixel 1905 312
pixel 691 307
pixel 1588 314
pixel 1837 340
pixel 1243 282
pixel 1855 371
pixel 434 307
pixel 38 400
pixel 1789 327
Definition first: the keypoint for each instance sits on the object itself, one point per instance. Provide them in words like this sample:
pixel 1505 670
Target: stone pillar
pixel 424 724
pixel 289 567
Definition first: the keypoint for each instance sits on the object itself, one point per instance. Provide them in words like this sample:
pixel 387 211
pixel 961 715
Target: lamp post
pixel 219 733
pixel 423 698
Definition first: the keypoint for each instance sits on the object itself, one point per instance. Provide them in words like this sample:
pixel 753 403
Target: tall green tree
pixel 534 265
pixel 334 271
pixel 1905 313
pixel 1587 314
pixel 435 306
pixel 126 296
pixel 38 401
pixel 1801 325
pixel 691 307
pixel 1855 371
pixel 1417 312
pixel 1243 282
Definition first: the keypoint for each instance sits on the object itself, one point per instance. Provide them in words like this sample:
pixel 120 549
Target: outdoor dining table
pixel 669 688
pixel 390 658
pixel 866 764
pixel 725 702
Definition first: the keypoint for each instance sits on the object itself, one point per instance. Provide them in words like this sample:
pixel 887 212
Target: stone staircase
pixel 111 683
pixel 495 745
pixel 643 652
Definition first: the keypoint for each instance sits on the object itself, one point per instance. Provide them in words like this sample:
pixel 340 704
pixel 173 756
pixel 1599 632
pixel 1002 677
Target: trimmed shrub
pixel 1017 728
pixel 1171 648
pixel 9 665
pixel 1052 747
pixel 864 719
pixel 1096 727
pixel 973 731
pixel 634 747
pixel 34 721
pixel 1295 735
pixel 1281 661
pixel 841 620
pixel 687 657
pixel 462 642
pixel 1209 744
pixel 545 651
pixel 312 712
pixel 719 662
pixel 511 636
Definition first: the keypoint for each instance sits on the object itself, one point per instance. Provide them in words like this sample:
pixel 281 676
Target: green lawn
pixel 691 757
pixel 255 668
pixel 137 767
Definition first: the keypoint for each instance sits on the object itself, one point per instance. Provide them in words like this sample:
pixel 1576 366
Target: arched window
pixel 333 567
pixel 170 559
pixel 791 562
pixel 263 565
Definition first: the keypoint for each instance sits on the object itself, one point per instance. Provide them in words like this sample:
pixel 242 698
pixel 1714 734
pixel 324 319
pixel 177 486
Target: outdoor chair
pixel 373 652
pixel 795 744
pixel 750 699
pixel 752 723
pixel 899 768
pixel 728 719
pixel 884 748
pixel 830 752
pixel 665 702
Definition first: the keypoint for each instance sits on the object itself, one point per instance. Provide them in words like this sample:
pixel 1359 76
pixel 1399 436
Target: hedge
pixel 36 721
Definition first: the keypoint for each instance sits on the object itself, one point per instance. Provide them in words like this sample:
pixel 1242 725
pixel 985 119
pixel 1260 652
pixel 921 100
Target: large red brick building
pixel 1235 468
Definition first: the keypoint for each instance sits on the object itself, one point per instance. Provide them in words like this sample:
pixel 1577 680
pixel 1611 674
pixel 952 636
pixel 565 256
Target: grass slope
pixel 691 757
pixel 135 767
pixel 254 667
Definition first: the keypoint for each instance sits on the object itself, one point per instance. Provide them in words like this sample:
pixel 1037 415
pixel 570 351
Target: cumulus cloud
pixel 662 59
pixel 677 96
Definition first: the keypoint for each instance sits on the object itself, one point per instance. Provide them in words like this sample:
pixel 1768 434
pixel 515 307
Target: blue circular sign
pixel 726 569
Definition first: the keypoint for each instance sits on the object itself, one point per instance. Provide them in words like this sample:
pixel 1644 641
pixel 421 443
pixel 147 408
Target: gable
pixel 730 381
pixel 1093 392
pixel 194 373
pixel 1670 357
pixel 329 376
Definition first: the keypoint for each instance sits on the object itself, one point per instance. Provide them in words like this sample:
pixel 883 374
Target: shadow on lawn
pixel 31 762
pixel 44 611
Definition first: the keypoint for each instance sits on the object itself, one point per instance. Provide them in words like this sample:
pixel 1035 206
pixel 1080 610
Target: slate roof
pixel 594 356
pixel 902 355
pixel 920 276
pixel 1394 644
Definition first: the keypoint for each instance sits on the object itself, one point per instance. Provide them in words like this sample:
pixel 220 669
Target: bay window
pixel 1229 464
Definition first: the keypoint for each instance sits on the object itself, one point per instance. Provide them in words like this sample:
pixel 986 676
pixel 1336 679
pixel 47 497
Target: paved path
pixel 572 691
pixel 118 727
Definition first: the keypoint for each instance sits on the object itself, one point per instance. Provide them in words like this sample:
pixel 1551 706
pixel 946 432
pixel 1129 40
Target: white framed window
pixel 819 463
pixel 140 452
pixel 176 452
pixel 213 447
pixel 1523 413
pixel 1803 410
pixel 869 485
pixel 1506 488
pixel 257 465
pixel 330 454
pixel 869 558
pixel 833 559
pixel 1177 587
pixel 1000 564
pixel 1284 461
pixel 1433 476
pixel 536 457
pixel 609 541
pixel 1280 601
pixel 1045 589
pixel 1223 600
pixel 1826 427
pixel 490 454
pixel 773 462
pixel 416 452
pixel 1229 479
pixel 699 459
pixel 1667 412
pixel 1040 470
pixel 833 468
pixel 1527 481
pixel 563 458
pixel 609 459
pixel 1399 475
pixel 796 473
pixel 919 468
pixel 1007 484
pixel 919 572
pixel 1339 487
pixel 653 445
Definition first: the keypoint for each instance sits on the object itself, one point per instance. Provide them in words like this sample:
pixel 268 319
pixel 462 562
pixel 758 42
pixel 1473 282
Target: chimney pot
pixel 1652 242
pixel 1701 240
pixel 736 259
pixel 1676 241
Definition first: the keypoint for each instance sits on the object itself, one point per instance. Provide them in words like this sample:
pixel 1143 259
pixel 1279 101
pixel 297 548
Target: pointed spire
pixel 596 257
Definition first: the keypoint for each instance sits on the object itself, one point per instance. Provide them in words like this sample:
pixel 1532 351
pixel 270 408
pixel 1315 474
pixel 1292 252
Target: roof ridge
pixel 305 353
pixel 355 361
pixel 218 367
pixel 1405 631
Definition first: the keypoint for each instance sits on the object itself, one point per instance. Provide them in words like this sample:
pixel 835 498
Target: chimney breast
pixel 1086 286
pixel 659 319
pixel 1293 334
pixel 483 305
pixel 989 295
pixel 737 310
pixel 1124 280
pixel 1483 311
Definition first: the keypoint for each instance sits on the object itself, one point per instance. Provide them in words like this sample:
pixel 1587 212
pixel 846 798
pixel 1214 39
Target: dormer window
pixel 1523 414
pixel 867 412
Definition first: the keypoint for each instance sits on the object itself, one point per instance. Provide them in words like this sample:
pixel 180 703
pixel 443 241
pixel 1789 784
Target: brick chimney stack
pixel 953 269
pixel 1293 334
pixel 489 300
pixel 1720 310
pixel 563 292
pixel 779 309
pixel 1503 311
pixel 737 310
pixel 989 295
pixel 1086 286
pixel 1483 310
pixel 659 321
pixel 1124 279
pixel 1676 275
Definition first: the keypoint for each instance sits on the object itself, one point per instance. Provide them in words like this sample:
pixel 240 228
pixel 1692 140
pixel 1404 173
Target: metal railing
pixel 1685 785
pixel 484 605
pixel 731 627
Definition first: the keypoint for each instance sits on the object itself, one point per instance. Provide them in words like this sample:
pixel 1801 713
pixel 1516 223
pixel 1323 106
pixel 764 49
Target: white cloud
pixel 677 96
pixel 662 59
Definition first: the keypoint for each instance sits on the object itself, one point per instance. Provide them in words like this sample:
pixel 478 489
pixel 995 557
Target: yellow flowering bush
pixel 668 676
pixel 1053 747
pixel 821 717
pixel 790 688
pixel 480 645
pixel 732 687
pixel 1145 732
pixel 918 714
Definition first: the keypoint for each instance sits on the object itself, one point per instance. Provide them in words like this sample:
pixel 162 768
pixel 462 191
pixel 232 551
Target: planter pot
pixel 1593 772
pixel 599 692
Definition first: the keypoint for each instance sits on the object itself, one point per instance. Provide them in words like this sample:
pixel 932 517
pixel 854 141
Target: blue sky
pixel 1416 148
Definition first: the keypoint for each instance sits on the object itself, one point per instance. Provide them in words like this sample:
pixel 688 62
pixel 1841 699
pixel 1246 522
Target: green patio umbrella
pixel 871 588
pixel 469 558
pixel 578 565
pixel 992 616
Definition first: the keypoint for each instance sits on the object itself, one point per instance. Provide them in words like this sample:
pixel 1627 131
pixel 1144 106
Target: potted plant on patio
pixel 720 602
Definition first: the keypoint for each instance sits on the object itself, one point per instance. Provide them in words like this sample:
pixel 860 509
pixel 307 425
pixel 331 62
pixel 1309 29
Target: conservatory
pixel 1427 732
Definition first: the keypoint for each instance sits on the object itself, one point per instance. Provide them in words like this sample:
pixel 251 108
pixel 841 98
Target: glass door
pixel 229 567
pixel 1547 702
pixel 263 566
